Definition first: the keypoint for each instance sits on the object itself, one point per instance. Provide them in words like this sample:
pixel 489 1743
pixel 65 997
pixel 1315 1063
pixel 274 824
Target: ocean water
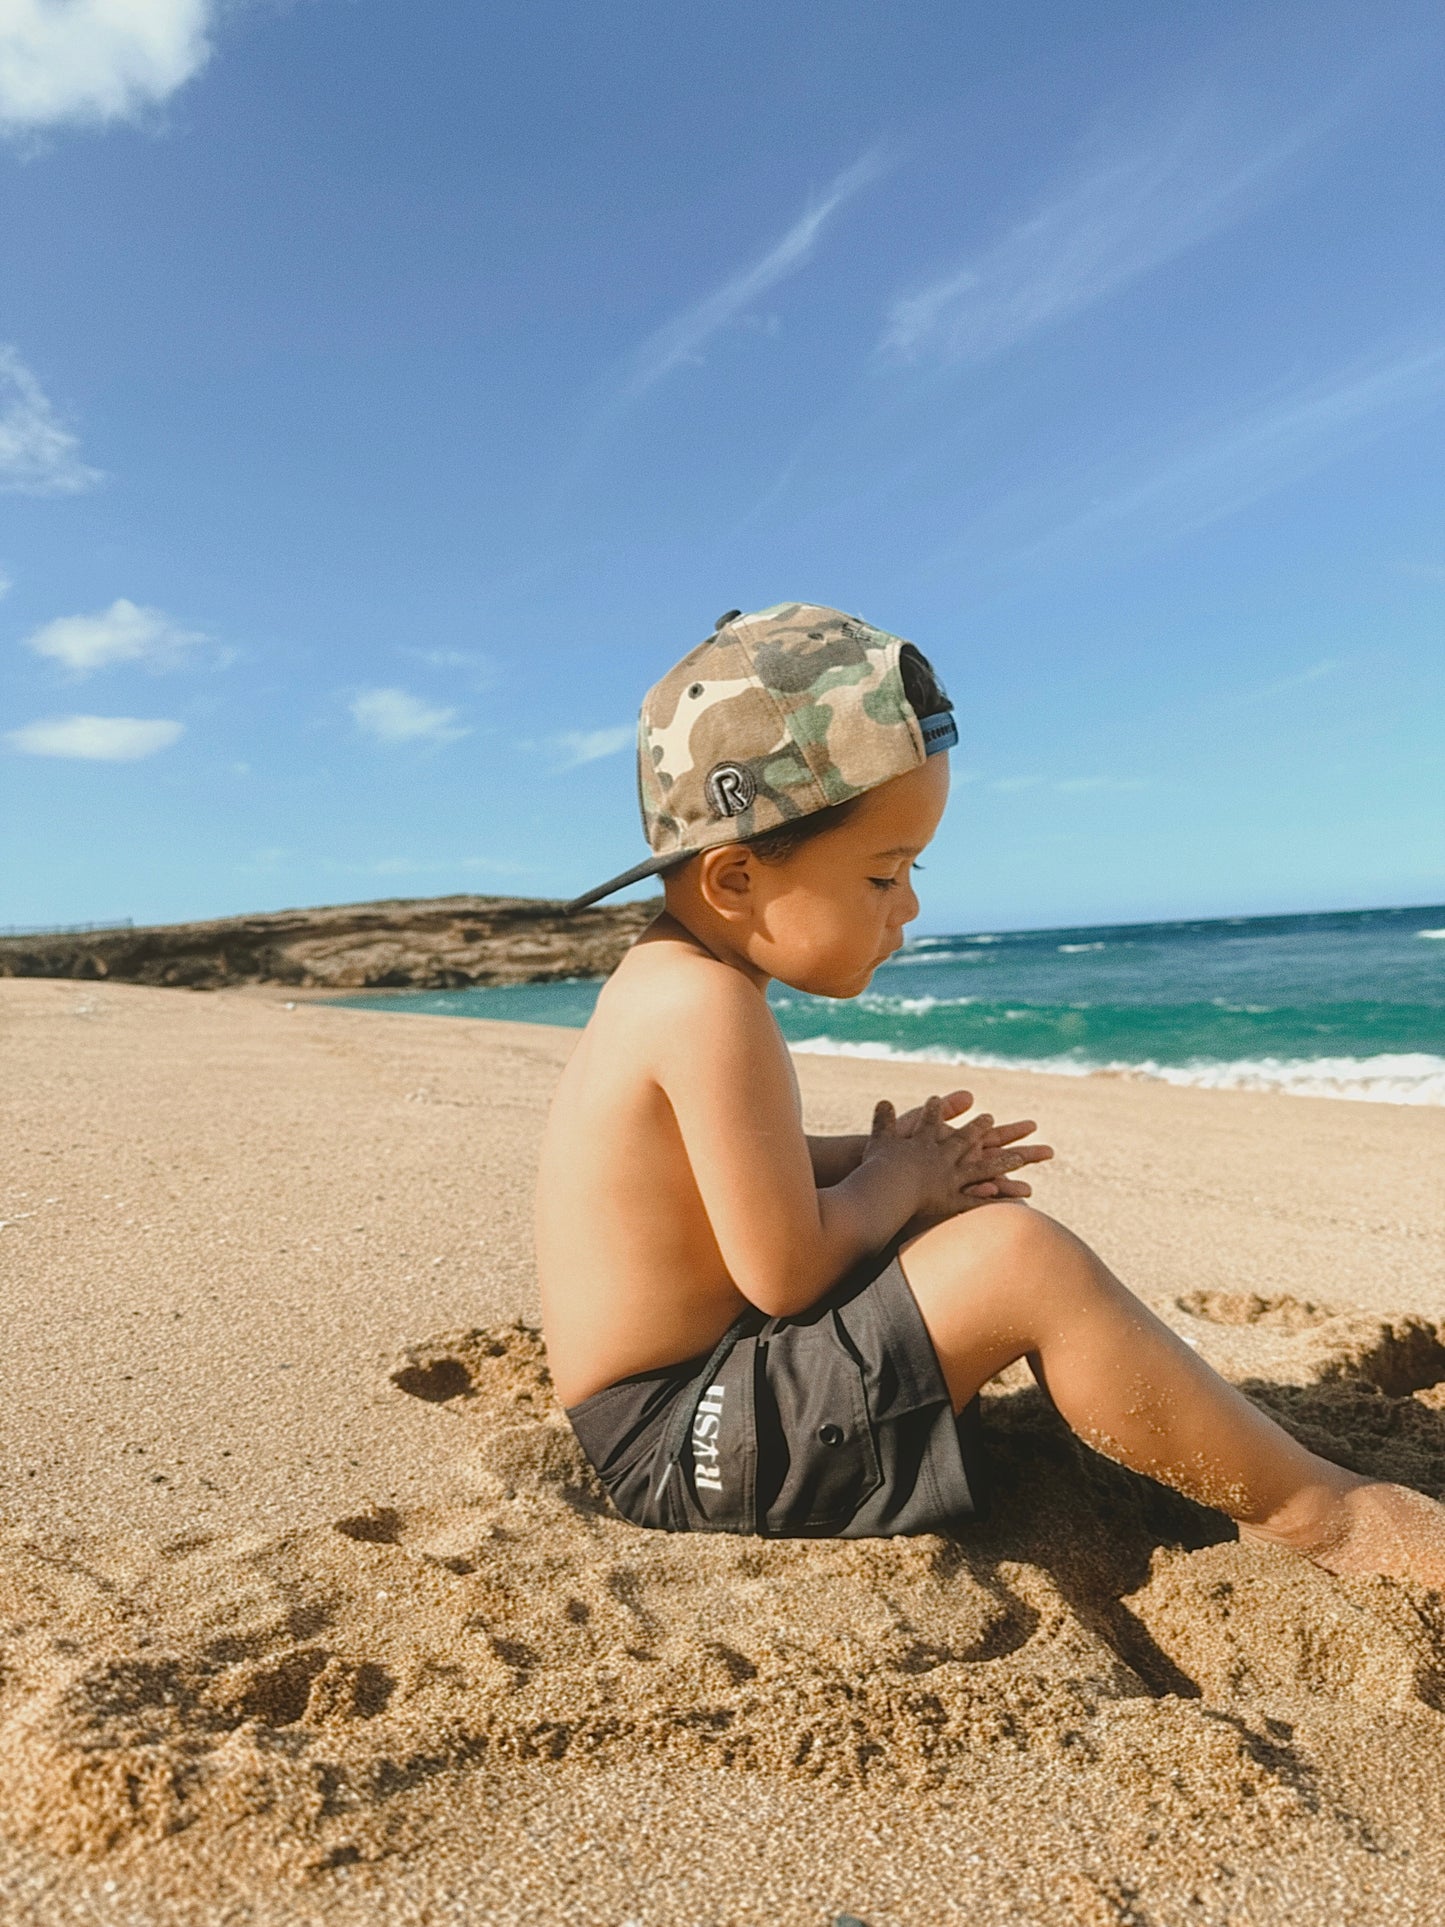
pixel 1347 1004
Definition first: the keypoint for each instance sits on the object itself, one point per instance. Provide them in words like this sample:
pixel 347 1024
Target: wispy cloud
pixel 96 61
pixel 399 866
pixel 1097 785
pixel 495 866
pixel 1270 444
pixel 38 453
pixel 394 716
pixel 1125 213
pixel 475 667
pixel 682 340
pixel 1067 785
pixel 1301 679
pixel 1215 468
pixel 7 583
pixel 473 660
pixel 273 856
pixel 124 632
pixel 580 746
pixel 278 856
pixel 96 739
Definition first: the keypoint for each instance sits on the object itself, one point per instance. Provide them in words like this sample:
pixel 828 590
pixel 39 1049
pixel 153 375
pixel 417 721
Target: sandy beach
pixel 310 1609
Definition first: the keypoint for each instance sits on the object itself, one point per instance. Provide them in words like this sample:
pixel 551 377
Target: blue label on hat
pixel 939 732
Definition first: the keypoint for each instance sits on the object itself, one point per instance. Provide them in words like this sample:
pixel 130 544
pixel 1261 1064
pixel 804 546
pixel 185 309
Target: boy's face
pixel 825 918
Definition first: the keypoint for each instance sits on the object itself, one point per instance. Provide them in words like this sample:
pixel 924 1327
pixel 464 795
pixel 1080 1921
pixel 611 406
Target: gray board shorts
pixel 834 1423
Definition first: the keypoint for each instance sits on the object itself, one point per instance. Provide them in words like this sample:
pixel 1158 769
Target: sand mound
pixel 292 1691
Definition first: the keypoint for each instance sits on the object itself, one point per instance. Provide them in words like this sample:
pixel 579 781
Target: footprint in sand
pixel 1276 1313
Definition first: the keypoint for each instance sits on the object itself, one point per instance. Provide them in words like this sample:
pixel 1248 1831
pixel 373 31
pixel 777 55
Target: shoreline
pixel 1412 1080
pixel 287 1507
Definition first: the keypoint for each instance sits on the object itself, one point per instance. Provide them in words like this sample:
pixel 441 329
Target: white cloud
pixel 393 716
pixel 96 739
pixel 38 455
pixel 1123 215
pixel 682 339
pixel 7 583
pixel 122 633
pixel 591 745
pixel 95 61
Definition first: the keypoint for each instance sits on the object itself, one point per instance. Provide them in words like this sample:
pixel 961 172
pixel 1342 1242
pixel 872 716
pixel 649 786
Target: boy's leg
pixel 1004 1282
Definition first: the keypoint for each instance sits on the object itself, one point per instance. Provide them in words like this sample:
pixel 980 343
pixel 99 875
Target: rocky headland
pixel 422 943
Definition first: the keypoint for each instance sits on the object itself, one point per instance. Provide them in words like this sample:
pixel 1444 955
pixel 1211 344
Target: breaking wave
pixel 1403 1077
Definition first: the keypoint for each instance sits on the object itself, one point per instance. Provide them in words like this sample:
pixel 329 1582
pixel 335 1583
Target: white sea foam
pixel 1410 1077
pixel 1437 934
pixel 936 957
pixel 1078 949
pixel 910 1006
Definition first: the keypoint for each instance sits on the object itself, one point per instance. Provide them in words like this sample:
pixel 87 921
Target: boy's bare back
pixel 631 1273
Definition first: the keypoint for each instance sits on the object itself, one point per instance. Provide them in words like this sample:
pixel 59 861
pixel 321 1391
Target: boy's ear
pixel 725 879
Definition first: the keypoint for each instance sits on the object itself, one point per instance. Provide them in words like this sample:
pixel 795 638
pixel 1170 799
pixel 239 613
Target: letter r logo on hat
pixel 730 789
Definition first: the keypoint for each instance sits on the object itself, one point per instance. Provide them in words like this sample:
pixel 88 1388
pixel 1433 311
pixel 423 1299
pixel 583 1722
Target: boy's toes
pixel 1373 1527
pixel 1389 1529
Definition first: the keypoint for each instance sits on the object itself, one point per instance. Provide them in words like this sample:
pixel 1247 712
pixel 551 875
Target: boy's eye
pixel 891 883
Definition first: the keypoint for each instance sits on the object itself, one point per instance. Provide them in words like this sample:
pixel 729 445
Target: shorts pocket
pixel 816 1437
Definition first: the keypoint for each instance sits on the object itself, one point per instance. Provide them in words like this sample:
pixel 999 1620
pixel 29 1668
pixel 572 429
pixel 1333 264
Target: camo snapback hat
pixel 775 716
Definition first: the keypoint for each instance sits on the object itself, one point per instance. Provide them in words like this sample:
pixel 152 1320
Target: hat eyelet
pixel 695 690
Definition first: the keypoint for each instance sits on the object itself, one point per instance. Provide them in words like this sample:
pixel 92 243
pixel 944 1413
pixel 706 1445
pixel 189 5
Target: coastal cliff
pixel 425 943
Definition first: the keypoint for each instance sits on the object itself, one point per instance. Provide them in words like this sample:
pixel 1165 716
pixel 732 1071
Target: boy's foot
pixel 1371 1527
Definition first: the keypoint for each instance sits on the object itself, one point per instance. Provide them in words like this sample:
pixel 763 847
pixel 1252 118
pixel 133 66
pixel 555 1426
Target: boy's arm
pixel 833 1158
pixel 725 1070
pixel 718 1055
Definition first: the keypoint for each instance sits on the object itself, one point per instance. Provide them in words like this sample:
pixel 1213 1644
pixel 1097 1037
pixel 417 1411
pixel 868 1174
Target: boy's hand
pixel 953 1104
pixel 957 1169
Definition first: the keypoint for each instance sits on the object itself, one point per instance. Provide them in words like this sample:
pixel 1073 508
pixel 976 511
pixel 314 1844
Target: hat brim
pixel 655 866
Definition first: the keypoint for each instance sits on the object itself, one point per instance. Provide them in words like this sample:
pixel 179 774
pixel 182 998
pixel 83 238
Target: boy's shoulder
pixel 668 982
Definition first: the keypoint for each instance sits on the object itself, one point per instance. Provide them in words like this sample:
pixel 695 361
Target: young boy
pixel 757 1331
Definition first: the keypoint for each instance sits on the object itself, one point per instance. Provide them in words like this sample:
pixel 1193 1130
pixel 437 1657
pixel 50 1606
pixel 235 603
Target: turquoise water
pixel 1338 1004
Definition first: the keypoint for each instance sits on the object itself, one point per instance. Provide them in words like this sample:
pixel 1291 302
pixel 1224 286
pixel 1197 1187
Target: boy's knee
pixel 1006 1231
pixel 997 1237
pixel 1008 1240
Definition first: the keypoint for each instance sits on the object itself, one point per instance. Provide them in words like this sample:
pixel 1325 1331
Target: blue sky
pixel 389 393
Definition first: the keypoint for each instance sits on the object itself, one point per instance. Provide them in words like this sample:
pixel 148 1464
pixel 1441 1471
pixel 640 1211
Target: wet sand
pixel 310 1610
